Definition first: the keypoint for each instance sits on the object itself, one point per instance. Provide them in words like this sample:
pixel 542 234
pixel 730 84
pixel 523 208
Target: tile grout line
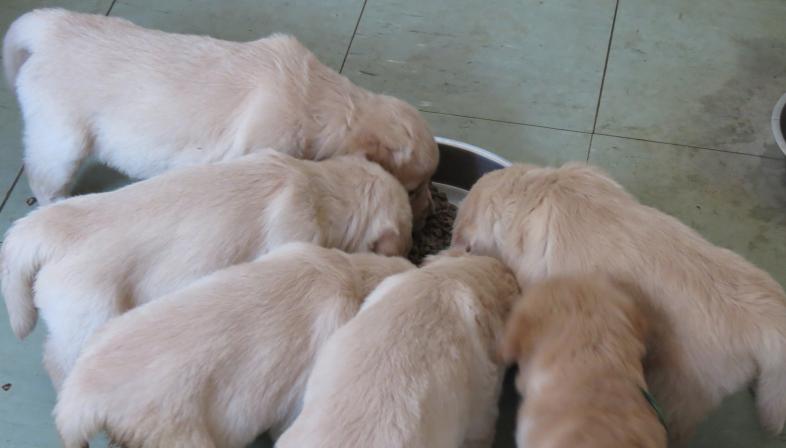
pixel 592 134
pixel 589 147
pixel 605 65
pixel 352 39
pixel 503 121
pixel 603 78
pixel 11 189
pixel 110 8
pixel 659 142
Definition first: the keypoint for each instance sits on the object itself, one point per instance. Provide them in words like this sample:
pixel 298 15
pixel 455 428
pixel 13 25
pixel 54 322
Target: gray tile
pixel 734 425
pixel 534 62
pixel 325 27
pixel 11 9
pixel 702 72
pixel 10 142
pixel 736 201
pixel 517 143
pixel 26 408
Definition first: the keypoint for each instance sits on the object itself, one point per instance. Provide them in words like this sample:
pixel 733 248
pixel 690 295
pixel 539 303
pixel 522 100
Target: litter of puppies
pixel 255 280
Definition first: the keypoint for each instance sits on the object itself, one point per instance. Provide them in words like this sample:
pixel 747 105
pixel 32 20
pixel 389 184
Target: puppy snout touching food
pixel 145 101
pixel 579 343
pixel 719 322
pixel 417 367
pixel 85 259
pixel 222 360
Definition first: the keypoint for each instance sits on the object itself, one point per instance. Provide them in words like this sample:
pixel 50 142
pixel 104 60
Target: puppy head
pixel 388 214
pixel 488 275
pixel 393 134
pixel 575 311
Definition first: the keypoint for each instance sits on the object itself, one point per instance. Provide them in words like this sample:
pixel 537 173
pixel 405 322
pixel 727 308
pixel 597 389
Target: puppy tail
pixel 25 249
pixel 21 40
pixel 771 384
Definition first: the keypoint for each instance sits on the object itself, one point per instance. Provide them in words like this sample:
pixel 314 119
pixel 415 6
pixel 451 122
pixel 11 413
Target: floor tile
pixel 325 27
pixel 701 72
pixel 10 141
pixel 11 9
pixel 735 426
pixel 517 143
pixel 533 62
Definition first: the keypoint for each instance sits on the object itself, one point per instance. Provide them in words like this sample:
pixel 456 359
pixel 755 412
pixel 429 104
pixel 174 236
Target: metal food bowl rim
pixel 779 122
pixel 486 154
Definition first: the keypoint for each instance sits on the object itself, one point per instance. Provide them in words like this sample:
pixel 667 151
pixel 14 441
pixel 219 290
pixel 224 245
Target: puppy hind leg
pixel 53 365
pixel 483 422
pixel 54 150
pixel 72 314
pixel 771 385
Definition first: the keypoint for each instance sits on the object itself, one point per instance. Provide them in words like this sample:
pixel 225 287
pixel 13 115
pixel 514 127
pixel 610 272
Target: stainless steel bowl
pixel 461 165
pixel 779 123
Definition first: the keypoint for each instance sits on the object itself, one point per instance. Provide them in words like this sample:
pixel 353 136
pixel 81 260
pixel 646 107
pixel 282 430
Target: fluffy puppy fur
pixel 718 321
pixel 580 343
pixel 219 362
pixel 144 101
pixel 86 259
pixel 417 367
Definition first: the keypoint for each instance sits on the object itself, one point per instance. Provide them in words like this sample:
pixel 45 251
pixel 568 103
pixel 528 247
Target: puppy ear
pixel 370 146
pixel 388 244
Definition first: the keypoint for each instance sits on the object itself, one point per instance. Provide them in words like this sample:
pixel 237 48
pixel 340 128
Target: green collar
pixel 654 404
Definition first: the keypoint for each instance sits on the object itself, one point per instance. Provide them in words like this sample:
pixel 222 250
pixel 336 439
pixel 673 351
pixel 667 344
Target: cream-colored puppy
pixel 86 259
pixel 718 321
pixel 220 361
pixel 579 343
pixel 417 367
pixel 145 101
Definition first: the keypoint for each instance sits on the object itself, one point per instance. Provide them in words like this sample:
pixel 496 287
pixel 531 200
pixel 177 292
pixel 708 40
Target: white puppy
pixel 86 259
pixel 417 367
pixel 718 322
pixel 221 361
pixel 144 101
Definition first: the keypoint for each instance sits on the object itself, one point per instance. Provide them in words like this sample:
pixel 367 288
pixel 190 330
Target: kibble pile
pixel 435 234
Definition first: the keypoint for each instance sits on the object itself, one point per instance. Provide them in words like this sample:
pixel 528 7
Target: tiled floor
pixel 672 97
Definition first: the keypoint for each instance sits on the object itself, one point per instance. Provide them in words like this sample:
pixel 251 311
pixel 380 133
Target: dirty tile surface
pixel 325 27
pixel 704 73
pixel 523 79
pixel 533 62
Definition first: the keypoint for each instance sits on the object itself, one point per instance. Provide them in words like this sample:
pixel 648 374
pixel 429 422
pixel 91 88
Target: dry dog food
pixel 435 234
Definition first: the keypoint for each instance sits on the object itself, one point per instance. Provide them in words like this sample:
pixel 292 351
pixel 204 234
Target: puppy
pixel 144 101
pixel 219 362
pixel 86 259
pixel 579 343
pixel 417 367
pixel 718 321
